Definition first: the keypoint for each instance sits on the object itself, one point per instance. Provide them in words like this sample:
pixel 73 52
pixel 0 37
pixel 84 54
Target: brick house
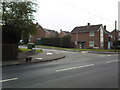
pixel 52 33
pixel 117 34
pixel 90 36
pixel 107 39
pixel 63 33
pixel 43 33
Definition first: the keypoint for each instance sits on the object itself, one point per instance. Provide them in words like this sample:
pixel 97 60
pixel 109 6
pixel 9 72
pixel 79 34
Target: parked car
pixel 21 42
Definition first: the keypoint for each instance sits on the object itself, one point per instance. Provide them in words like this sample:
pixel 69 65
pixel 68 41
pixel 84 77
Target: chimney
pixel 88 24
pixel 105 27
pixel 60 30
pixel 115 25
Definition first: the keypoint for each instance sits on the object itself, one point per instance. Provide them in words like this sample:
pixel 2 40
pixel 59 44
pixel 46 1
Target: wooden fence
pixel 9 51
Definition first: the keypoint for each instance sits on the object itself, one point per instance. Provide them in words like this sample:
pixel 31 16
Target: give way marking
pixel 6 80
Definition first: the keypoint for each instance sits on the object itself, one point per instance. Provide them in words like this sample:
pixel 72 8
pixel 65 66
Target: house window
pixel 91 43
pixel 91 33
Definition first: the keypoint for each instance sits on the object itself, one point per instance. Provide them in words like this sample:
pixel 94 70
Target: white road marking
pixel 84 51
pixel 49 53
pixel 39 58
pixel 8 80
pixel 105 55
pixel 108 62
pixel 112 61
pixel 53 61
pixel 74 68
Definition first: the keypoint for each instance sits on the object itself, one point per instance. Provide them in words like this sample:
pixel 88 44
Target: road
pixel 76 70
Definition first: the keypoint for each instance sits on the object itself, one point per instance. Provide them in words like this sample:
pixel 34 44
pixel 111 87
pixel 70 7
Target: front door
pixel 81 45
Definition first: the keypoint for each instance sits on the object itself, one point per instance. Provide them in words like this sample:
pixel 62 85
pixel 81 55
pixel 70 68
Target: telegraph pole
pixel 115 35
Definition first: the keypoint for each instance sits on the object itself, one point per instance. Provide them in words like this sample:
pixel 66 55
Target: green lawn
pixel 100 50
pixel 25 50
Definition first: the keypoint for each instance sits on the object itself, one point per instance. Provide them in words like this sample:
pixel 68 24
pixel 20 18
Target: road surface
pixel 76 70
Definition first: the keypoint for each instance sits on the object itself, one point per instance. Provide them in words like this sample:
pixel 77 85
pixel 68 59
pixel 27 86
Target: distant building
pixel 43 33
pixel 52 33
pixel 115 33
pixel 63 33
pixel 115 37
pixel 90 36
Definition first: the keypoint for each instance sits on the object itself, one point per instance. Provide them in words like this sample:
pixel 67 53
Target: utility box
pixel 31 45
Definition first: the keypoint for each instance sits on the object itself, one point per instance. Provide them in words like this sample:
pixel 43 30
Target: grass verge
pixel 25 50
pixel 99 50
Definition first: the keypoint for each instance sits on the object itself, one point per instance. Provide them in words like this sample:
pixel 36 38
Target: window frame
pixel 91 34
pixel 91 43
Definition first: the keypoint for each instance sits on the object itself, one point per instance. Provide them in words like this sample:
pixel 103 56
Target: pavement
pixel 38 57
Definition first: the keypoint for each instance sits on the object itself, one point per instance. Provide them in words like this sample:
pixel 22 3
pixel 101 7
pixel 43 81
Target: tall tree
pixel 18 17
pixel 17 23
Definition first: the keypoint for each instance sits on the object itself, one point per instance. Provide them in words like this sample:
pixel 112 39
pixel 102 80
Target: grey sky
pixel 67 14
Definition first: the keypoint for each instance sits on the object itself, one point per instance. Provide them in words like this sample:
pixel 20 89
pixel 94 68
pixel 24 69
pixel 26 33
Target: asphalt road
pixel 76 70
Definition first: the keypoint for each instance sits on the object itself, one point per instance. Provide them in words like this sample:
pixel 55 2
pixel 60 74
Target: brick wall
pixel 85 37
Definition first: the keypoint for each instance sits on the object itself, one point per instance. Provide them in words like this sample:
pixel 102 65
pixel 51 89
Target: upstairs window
pixel 91 33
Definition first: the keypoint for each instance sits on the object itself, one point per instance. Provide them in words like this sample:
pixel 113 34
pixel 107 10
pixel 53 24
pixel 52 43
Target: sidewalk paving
pixel 39 57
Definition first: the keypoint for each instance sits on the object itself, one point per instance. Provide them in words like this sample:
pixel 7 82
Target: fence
pixel 9 51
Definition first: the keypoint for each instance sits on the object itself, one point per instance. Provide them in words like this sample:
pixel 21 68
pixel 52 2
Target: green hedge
pixel 51 42
pixel 64 42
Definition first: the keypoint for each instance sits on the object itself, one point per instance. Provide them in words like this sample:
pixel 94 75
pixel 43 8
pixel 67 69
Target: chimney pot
pixel 88 24
pixel 105 27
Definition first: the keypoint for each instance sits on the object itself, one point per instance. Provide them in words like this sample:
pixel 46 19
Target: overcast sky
pixel 67 14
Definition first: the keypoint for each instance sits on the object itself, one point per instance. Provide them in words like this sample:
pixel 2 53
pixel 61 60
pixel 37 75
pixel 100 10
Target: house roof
pixel 51 31
pixel 107 32
pixel 86 28
pixel 67 32
pixel 114 31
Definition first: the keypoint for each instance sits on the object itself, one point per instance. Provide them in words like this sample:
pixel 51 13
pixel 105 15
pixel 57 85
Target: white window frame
pixel 91 33
pixel 91 43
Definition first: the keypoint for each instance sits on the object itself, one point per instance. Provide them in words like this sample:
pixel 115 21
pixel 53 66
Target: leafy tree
pixel 17 23
pixel 19 17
